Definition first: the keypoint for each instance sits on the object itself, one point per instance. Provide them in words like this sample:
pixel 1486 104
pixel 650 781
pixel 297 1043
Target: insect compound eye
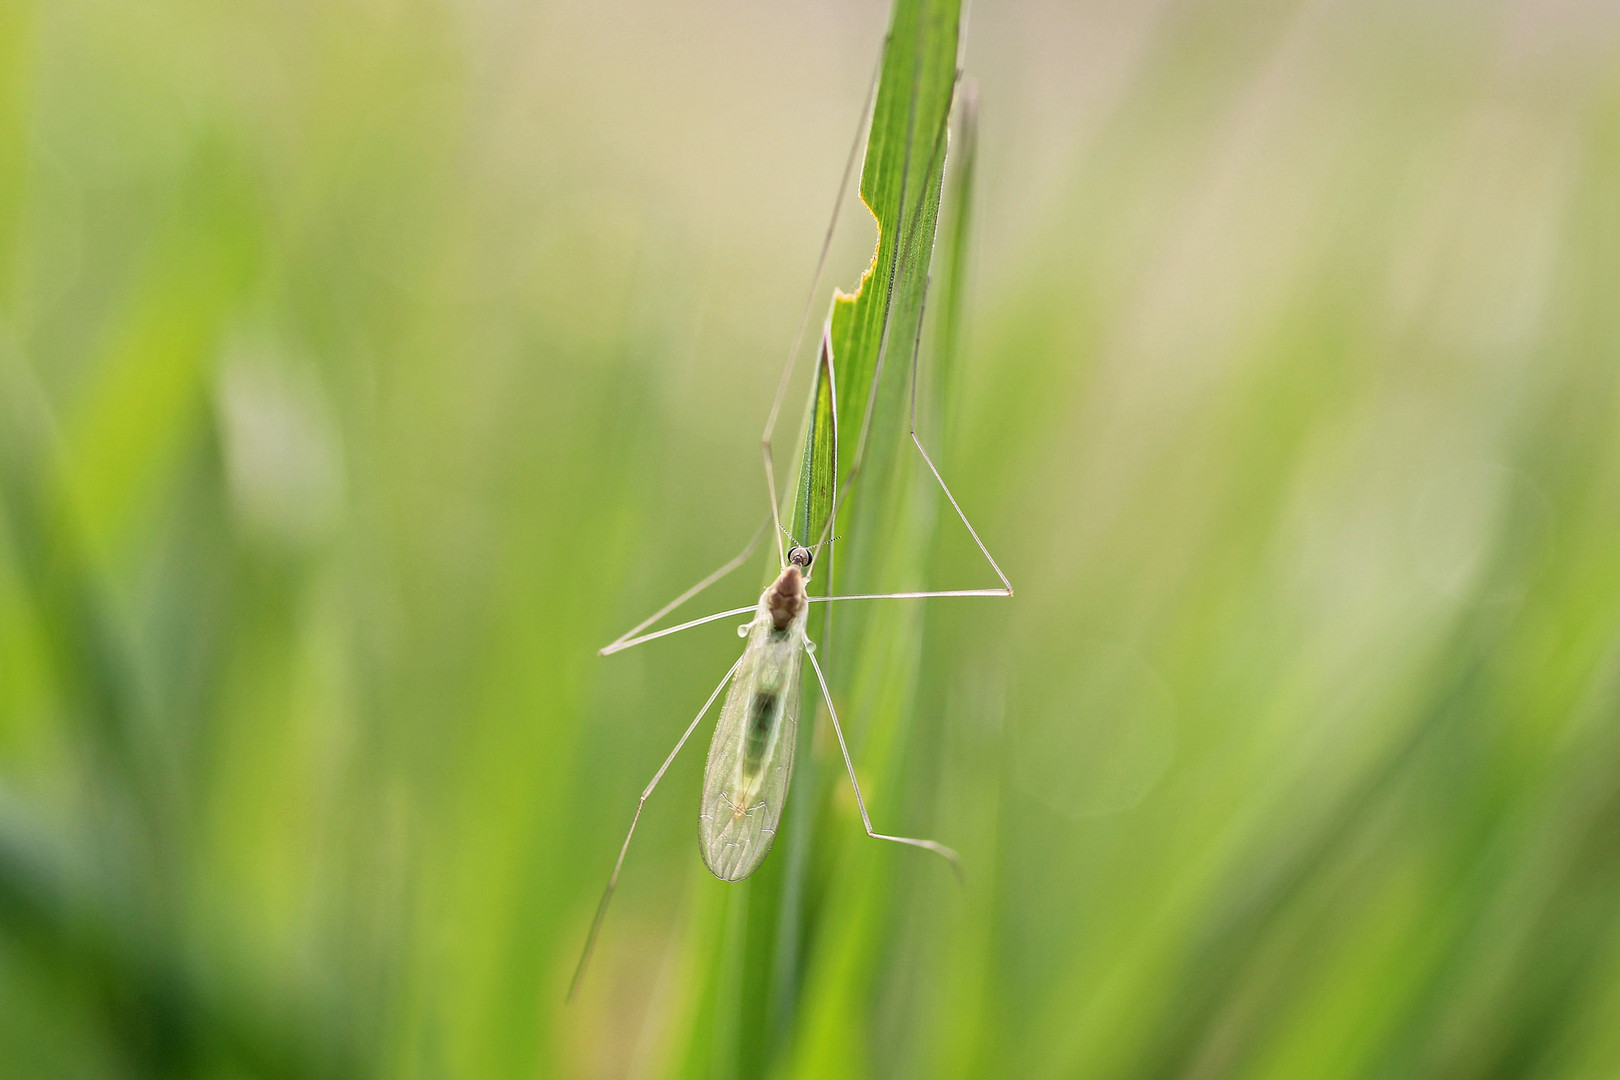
pixel 801 557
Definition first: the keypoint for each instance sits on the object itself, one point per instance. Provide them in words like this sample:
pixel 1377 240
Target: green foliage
pixel 366 366
pixel 777 982
pixel 811 512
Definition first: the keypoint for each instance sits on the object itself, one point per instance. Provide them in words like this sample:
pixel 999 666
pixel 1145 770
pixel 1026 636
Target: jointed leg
pixel 804 318
pixel 916 349
pixel 728 613
pixel 622 642
pixel 625 641
pixel 613 879
pixel 866 819
pixel 894 267
pixel 1006 586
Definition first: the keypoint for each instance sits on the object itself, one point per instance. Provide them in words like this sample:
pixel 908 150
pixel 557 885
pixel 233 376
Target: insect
pixel 750 763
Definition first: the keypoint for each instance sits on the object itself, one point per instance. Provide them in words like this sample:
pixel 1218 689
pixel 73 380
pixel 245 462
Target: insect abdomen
pixel 757 737
pixel 751 758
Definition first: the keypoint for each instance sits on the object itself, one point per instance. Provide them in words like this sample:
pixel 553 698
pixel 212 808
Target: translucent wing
pixel 745 784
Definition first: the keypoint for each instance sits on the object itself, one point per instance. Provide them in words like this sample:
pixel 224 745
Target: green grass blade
pixel 860 378
pixel 871 335
pixel 812 505
pixel 958 234
pixel 900 182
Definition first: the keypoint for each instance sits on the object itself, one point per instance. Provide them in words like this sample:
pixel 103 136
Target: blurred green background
pixel 364 366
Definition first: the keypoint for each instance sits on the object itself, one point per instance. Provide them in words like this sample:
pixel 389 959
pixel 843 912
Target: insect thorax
pixel 785 601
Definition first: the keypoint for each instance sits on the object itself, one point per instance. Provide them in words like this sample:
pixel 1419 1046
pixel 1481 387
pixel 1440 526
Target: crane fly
pixel 750 763
pixel 751 758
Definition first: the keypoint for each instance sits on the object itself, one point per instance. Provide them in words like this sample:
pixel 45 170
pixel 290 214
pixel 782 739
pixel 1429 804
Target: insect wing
pixel 745 784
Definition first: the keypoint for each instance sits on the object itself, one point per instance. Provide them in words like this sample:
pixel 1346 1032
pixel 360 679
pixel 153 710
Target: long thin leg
pixel 613 879
pixel 623 641
pixel 620 643
pixel 804 319
pixel 916 350
pixel 907 595
pixel 620 646
pixel 866 819
pixel 894 269
pixel 1006 586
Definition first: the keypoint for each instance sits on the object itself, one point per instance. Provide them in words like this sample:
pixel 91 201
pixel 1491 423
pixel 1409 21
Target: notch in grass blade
pixel 901 180
pixel 900 185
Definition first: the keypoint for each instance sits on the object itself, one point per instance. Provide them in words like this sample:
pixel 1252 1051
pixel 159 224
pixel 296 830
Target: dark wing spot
pixel 761 719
